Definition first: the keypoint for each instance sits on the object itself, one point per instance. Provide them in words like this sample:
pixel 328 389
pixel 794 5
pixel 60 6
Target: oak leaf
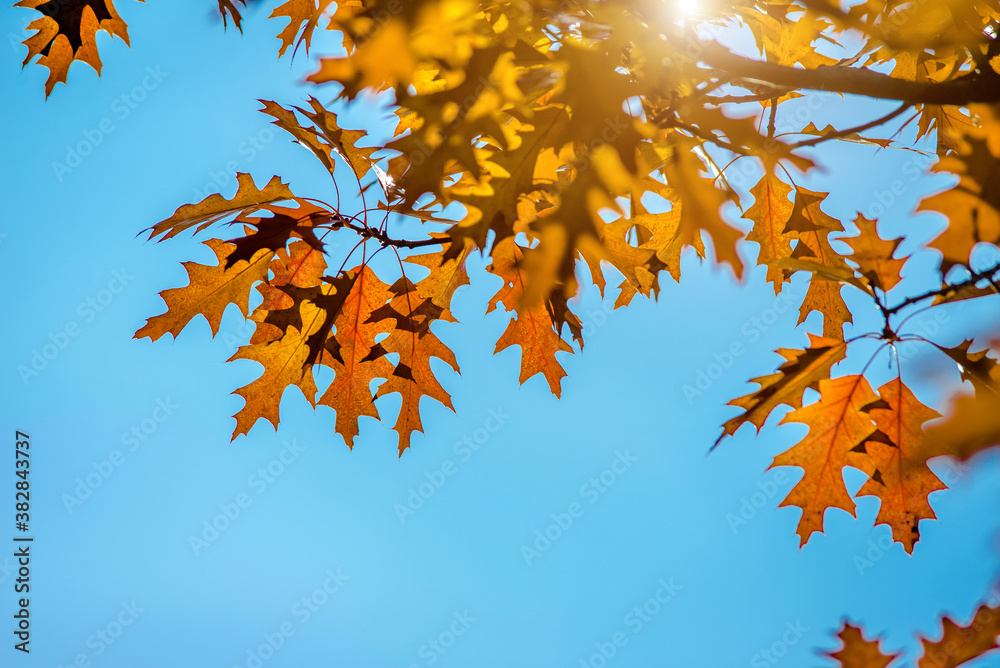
pixel 412 339
pixel 802 369
pixel 814 227
pixel 67 31
pixel 874 255
pixel 215 207
pixel 286 363
pixel 350 393
pixel 959 644
pixel 532 329
pixel 901 480
pixel 838 429
pixel 770 214
pixel 210 290
pixel 303 16
pixel 858 652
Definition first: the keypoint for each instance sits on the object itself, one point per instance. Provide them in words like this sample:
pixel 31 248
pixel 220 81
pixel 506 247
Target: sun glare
pixel 684 8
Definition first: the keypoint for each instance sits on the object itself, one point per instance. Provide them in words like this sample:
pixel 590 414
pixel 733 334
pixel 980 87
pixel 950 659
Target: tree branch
pixel 850 131
pixel 382 237
pixel 983 86
pixel 945 289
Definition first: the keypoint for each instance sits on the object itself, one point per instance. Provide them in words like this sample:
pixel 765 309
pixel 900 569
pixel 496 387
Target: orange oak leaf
pixel 68 32
pixel 977 367
pixel 297 273
pixel 216 207
pixel 770 213
pixel 814 227
pixel 350 393
pixel 701 202
pixel 209 291
pixel 343 142
pixel 416 344
pixel 873 255
pixel 299 264
pixel 299 12
pixel 532 329
pixel 858 652
pixel 973 422
pixel 959 644
pixel 447 273
pixel 972 207
pixel 279 310
pixel 285 362
pixel 902 480
pixel 802 369
pixel 838 428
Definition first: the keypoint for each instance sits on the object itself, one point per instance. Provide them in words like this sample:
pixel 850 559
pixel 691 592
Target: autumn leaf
pixel 838 429
pixel 303 16
pixel 874 255
pixel 215 207
pixel 67 31
pixel 858 652
pixel 976 366
pixel 273 232
pixel 700 208
pixel 415 343
pixel 959 644
pixel 209 291
pixel 972 207
pixel 902 480
pixel 300 265
pixel 350 393
pixel 286 363
pixel 228 8
pixel 532 328
pixel 341 141
pixel 447 273
pixel 306 136
pixel 770 214
pixel 973 422
pixel 802 369
pixel 814 226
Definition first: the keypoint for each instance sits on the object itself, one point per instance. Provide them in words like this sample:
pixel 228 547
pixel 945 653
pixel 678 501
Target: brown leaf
pixel 299 12
pixel 959 644
pixel 858 652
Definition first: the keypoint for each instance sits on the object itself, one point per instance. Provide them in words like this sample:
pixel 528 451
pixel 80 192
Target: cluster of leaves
pixel 563 188
pixel 958 644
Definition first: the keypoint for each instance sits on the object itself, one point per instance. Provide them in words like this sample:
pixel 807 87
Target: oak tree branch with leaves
pixel 563 188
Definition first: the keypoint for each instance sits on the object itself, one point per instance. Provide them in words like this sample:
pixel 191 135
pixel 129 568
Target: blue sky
pixel 310 561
